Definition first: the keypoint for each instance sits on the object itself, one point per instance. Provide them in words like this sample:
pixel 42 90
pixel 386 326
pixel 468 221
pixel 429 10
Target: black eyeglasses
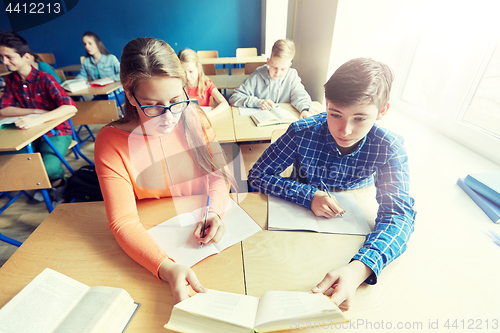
pixel 158 110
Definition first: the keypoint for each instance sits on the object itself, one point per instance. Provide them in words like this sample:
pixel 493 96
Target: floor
pixel 23 216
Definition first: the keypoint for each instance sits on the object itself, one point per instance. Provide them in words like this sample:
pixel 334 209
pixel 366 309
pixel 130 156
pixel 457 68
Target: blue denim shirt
pixel 380 158
pixel 108 66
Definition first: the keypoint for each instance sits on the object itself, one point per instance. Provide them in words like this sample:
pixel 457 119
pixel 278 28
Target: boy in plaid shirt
pixel 30 91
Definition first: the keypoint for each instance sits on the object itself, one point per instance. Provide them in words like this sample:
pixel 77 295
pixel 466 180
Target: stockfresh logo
pixel 28 14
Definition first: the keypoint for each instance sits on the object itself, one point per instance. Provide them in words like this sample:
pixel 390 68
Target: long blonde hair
pixel 144 58
pixel 188 55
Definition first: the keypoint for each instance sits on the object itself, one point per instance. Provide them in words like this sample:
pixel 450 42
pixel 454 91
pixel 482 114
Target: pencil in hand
pixel 325 188
pixel 204 226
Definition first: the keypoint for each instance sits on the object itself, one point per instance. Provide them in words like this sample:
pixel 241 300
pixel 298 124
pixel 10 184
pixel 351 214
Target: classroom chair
pixel 252 66
pixel 100 112
pixel 3 68
pixel 209 69
pixel 22 172
pixel 246 52
pixel 61 74
pixel 48 58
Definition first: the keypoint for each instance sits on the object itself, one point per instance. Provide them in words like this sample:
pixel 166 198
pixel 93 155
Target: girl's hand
pixel 179 277
pixel 323 205
pixel 214 230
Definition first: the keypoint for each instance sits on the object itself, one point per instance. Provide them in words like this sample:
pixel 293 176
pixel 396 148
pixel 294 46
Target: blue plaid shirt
pixel 379 159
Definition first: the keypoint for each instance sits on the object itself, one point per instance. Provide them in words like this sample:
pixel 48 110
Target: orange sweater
pixel 133 167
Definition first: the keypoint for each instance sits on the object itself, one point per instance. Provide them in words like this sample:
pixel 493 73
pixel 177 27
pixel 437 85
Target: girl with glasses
pixel 163 147
pixel 199 86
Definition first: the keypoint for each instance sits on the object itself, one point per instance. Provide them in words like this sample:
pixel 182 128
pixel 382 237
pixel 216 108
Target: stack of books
pixel 484 189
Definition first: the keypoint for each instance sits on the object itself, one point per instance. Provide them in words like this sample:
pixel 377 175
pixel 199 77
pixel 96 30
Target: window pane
pixel 484 108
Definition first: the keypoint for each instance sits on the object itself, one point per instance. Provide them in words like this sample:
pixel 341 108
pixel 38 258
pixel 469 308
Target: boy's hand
pixel 344 281
pixel 267 104
pixel 214 230
pixel 323 205
pixel 179 277
pixel 28 122
pixel 305 114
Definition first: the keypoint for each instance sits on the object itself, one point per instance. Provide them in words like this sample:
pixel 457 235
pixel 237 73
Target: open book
pixel 285 215
pixel 54 302
pixel 274 116
pixel 101 82
pixel 175 236
pixel 74 85
pixel 217 311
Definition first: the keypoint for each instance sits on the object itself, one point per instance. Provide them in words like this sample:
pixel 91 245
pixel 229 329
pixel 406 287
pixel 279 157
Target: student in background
pixel 98 62
pixel 31 91
pixel 345 149
pixel 37 63
pixel 163 147
pixel 199 86
pixel 274 83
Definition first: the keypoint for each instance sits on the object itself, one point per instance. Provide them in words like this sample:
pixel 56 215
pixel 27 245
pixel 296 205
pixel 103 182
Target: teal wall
pixel 221 25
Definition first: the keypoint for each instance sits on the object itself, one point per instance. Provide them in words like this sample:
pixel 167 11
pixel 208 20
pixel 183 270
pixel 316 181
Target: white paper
pixel 175 236
pixel 285 215
pixel 249 111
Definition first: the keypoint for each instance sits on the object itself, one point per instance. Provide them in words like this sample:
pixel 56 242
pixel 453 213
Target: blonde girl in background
pixel 199 86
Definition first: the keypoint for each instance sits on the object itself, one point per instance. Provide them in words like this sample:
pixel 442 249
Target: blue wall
pixel 221 25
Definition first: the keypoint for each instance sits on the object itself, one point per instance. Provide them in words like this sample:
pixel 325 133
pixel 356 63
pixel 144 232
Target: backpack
pixel 83 185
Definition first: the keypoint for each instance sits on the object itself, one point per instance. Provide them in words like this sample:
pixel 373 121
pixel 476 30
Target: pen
pixel 203 227
pixel 325 188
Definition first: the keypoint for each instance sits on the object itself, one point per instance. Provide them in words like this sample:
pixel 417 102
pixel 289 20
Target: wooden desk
pixel 227 81
pixel 75 240
pixel 14 139
pixel 232 60
pixel 245 129
pixel 105 90
pixel 223 126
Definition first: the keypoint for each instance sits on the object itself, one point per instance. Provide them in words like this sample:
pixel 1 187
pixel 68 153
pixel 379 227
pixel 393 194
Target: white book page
pixel 265 116
pixel 283 114
pixel 249 111
pixel 237 309
pixel 175 236
pixel 117 313
pixel 285 215
pixel 42 304
pixel 281 305
pixel 353 222
pixel 206 109
pixel 239 226
pixel 90 310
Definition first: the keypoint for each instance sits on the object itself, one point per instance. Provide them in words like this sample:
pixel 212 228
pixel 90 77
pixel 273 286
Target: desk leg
pixel 58 153
pixel 45 194
pixel 119 104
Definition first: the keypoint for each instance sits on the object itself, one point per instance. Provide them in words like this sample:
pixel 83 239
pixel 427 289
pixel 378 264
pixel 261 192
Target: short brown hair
pixel 283 48
pixel 360 81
